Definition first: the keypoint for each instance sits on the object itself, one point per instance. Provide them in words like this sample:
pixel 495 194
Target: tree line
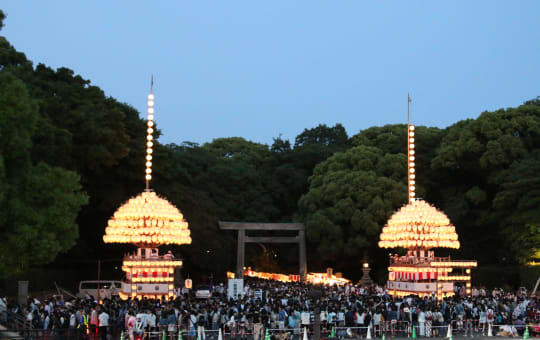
pixel 70 156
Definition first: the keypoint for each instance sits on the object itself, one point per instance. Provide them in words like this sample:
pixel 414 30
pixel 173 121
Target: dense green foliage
pixel 69 156
pixel 38 202
pixel 489 167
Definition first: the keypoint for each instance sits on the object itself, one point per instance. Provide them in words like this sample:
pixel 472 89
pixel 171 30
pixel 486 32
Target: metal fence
pixel 48 334
pixel 386 329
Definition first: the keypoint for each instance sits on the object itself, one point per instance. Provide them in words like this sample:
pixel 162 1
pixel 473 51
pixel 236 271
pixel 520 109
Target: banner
pixel 235 289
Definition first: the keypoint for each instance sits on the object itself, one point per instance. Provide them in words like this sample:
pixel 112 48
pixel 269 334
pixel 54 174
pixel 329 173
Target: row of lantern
pixel 410 162
pixel 427 244
pixel 154 274
pixel 134 289
pixel 416 236
pixel 419 212
pixel 268 276
pixel 164 212
pixel 455 278
pixel 408 276
pixel 148 222
pixel 152 279
pixel 147 205
pixel 455 264
pixel 136 296
pixel 404 218
pixel 156 263
pixel 418 270
pixel 137 271
pixel 428 294
pixel 422 216
pixel 149 137
pixel 150 240
pixel 147 231
pixel 419 228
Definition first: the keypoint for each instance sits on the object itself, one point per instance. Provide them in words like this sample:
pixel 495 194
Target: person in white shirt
pixel 421 323
pixel 305 318
pixel 103 324
pixel 72 320
pixel 377 321
pixel 358 319
pixel 150 320
pixel 324 316
pixel 93 319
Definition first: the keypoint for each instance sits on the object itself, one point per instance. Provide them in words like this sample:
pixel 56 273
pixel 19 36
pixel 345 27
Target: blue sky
pixel 259 69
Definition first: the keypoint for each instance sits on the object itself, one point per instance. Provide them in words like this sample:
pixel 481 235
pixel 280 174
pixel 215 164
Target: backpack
pixel 490 314
pixel 440 317
pixel 36 323
pixel 65 324
pixel 200 321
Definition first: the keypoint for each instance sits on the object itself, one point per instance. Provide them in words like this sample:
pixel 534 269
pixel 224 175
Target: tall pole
pixel 408 112
pixel 149 136
pixel 411 172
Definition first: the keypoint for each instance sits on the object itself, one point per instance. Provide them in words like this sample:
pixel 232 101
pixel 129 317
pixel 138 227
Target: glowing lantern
pixel 188 283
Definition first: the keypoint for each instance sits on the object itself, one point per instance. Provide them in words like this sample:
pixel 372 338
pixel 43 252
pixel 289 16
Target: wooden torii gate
pixel 243 239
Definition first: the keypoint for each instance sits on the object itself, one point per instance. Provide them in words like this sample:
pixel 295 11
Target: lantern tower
pixel 148 221
pixel 420 227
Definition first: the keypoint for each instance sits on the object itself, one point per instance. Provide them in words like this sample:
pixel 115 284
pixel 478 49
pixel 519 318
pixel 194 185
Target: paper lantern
pixel 188 283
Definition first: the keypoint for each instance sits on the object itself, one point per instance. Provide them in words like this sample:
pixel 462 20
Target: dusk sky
pixel 259 69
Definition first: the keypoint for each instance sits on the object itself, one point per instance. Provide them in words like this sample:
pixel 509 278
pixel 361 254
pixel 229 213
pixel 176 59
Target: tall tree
pixel 480 161
pixel 38 203
pixel 351 195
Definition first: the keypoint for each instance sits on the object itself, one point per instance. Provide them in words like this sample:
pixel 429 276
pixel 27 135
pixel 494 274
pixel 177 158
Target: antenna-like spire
pixel 411 175
pixel 149 137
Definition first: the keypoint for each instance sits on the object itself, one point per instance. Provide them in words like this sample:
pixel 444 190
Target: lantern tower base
pixel 421 273
pixel 149 275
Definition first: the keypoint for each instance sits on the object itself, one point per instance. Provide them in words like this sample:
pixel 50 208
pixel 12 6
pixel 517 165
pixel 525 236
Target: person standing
pixel 429 320
pixel 130 323
pixel 150 321
pixel 482 319
pixel 103 324
pixel 93 319
pixel 490 316
pixel 377 317
pixel 421 322
pixel 216 316
pixel 282 316
pixel 258 329
pixel 291 322
pixel 468 321
pixel 201 334
pixel 83 323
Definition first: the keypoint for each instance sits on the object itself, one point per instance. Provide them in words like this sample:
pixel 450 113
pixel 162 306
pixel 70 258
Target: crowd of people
pixel 282 308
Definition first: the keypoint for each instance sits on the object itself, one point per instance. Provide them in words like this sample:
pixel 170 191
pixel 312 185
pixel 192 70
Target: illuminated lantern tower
pixel 148 221
pixel 420 227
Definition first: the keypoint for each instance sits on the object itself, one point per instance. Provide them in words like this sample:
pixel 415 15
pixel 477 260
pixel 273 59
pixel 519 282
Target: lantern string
pixel 411 171
pixel 149 135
